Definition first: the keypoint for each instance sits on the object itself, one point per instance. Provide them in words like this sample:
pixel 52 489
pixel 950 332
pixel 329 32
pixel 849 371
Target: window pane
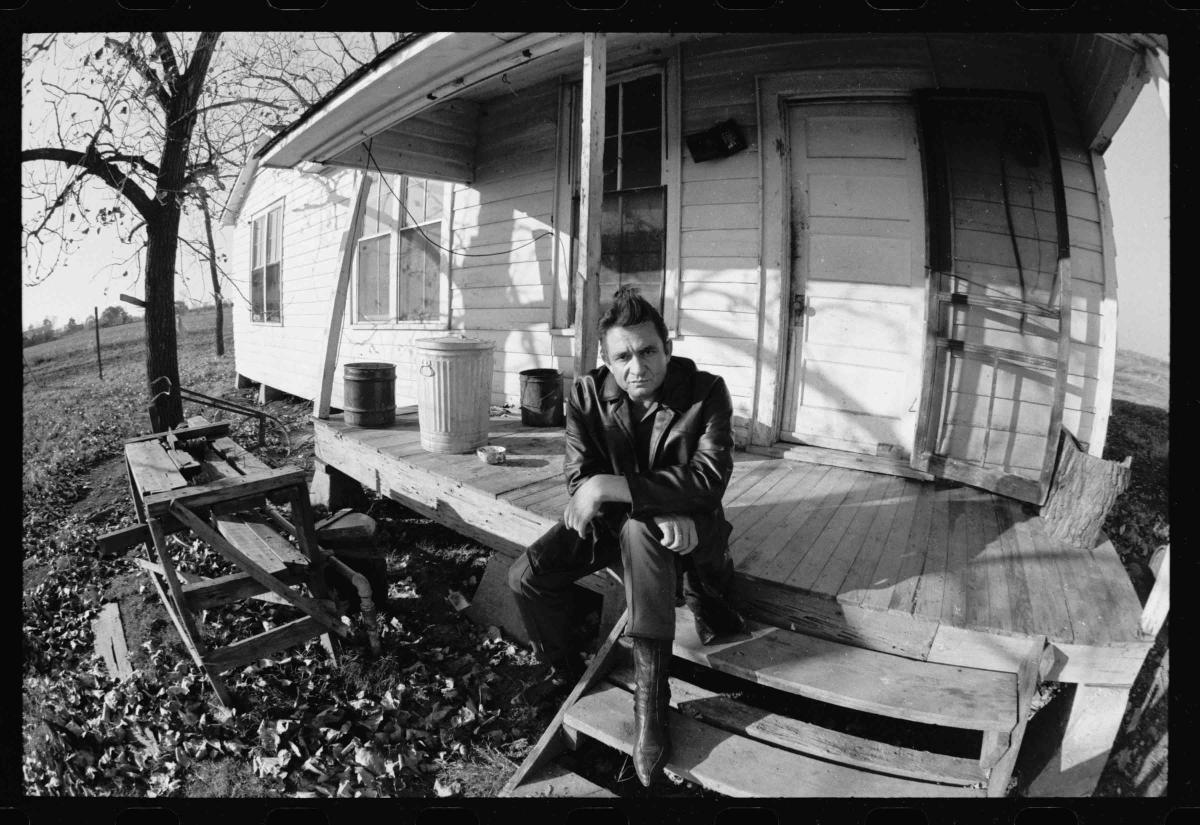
pixel 612 122
pixel 641 162
pixel 419 273
pixel 633 244
pixel 609 164
pixel 643 104
pixel 374 281
pixel 435 192
pixel 271 299
pixel 256 294
pixel 414 202
pixel 272 232
pixel 256 245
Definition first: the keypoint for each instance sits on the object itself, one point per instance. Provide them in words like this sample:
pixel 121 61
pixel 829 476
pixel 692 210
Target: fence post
pixel 99 365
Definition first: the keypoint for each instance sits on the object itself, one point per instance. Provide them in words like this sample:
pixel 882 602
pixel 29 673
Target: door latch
pixel 798 307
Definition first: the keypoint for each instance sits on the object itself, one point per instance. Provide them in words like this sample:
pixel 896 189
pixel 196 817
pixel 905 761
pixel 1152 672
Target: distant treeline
pixel 112 316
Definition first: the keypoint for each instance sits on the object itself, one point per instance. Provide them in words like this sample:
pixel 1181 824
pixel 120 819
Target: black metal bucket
pixel 369 394
pixel 541 398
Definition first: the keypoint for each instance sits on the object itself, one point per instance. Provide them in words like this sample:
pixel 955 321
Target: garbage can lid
pixel 452 342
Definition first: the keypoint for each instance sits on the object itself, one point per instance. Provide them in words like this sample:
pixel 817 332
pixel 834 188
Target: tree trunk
pixel 212 268
pixel 162 359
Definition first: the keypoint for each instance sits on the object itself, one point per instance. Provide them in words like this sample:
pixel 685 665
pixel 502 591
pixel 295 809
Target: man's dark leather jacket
pixel 691 447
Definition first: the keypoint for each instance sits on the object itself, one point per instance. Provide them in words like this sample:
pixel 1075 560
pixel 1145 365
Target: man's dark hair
pixel 629 309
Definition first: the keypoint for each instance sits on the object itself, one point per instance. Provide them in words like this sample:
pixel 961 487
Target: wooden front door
pixel 858 277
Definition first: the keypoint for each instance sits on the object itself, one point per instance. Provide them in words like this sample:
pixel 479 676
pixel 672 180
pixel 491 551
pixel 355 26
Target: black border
pixel 1178 19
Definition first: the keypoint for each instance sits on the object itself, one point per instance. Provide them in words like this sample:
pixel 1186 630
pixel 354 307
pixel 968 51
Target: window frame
pixel 566 179
pixel 396 228
pixel 263 217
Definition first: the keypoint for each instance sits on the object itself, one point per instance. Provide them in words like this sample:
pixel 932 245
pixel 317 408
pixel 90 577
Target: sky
pixel 1138 181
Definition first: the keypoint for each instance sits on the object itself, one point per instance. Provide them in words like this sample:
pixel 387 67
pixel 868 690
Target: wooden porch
pixel 932 571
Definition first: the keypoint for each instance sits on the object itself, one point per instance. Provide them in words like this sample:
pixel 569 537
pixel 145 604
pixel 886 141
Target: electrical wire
pixel 416 224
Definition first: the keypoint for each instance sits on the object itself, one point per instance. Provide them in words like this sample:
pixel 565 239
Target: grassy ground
pixel 446 710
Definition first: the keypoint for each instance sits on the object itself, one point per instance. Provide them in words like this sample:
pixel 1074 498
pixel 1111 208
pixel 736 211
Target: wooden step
pixel 805 737
pixel 557 781
pixel 857 678
pixel 736 765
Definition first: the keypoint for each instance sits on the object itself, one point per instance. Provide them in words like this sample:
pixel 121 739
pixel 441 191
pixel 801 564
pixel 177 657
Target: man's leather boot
pixel 652 694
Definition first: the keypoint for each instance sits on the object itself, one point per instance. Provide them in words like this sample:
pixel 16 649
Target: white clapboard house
pixel 896 248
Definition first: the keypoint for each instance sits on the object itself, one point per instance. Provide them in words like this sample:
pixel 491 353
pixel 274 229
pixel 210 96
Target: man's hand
pixel 585 504
pixel 679 533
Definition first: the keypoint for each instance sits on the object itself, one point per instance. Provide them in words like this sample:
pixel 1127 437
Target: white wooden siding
pixel 508 297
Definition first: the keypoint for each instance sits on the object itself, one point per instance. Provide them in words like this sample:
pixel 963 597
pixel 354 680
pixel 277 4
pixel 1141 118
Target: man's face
pixel 638 359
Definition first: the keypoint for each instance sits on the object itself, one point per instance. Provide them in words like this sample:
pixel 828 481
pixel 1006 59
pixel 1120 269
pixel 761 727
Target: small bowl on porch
pixel 492 454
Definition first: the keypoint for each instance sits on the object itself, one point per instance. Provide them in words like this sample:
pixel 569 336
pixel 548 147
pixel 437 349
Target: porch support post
pixel 338 312
pixel 591 196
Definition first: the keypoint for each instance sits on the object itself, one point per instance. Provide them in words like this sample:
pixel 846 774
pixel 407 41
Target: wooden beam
pixel 1159 602
pixel 1123 97
pixel 338 311
pixel 110 641
pixel 591 198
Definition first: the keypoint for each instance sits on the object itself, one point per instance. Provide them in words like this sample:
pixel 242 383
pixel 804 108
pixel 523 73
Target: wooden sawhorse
pixel 199 480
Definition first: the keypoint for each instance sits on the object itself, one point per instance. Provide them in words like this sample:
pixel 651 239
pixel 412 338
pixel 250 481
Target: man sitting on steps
pixel 648 456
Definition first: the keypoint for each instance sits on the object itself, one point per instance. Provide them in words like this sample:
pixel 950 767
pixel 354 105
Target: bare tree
pixel 150 125
pixel 145 95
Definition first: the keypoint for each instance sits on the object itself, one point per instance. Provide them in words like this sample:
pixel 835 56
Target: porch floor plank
pixel 880 582
pixel 860 570
pixel 929 570
pixel 862 486
pixel 835 487
pixel 931 585
pixel 902 596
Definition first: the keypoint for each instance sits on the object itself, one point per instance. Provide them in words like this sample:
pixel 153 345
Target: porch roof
pixel 422 72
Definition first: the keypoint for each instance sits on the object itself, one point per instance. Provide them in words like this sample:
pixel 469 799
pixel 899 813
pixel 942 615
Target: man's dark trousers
pixel 542 578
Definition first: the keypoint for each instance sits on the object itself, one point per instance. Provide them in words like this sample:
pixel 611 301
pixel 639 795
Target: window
pixel 401 258
pixel 265 253
pixel 638 171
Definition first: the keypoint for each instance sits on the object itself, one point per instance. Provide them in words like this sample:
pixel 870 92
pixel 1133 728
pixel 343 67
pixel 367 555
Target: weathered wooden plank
pixel 225 490
pixel 881 547
pixel 796 544
pixel 1018 604
pixel 240 458
pixel 552 507
pixel 115 541
pixel 858 551
pixel 750 549
pixel 913 551
pixel 736 765
pixel 219 543
pixel 805 737
pixel 215 429
pixel 857 678
pixel 930 588
pixel 954 589
pixel 982 559
pixel 534 491
pixel 202 593
pixel 1050 613
pixel 551 743
pixel 260 542
pixel 109 636
pixel 556 781
pixel 153 470
pixel 809 568
pixel 763 501
pixel 256 647
pixel 1085 605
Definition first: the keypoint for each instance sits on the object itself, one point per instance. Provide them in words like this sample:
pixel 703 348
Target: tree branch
pixel 106 171
pixel 300 98
pixel 167 56
pixel 138 62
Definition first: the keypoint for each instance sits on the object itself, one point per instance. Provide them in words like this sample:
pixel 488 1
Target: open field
pixel 449 709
